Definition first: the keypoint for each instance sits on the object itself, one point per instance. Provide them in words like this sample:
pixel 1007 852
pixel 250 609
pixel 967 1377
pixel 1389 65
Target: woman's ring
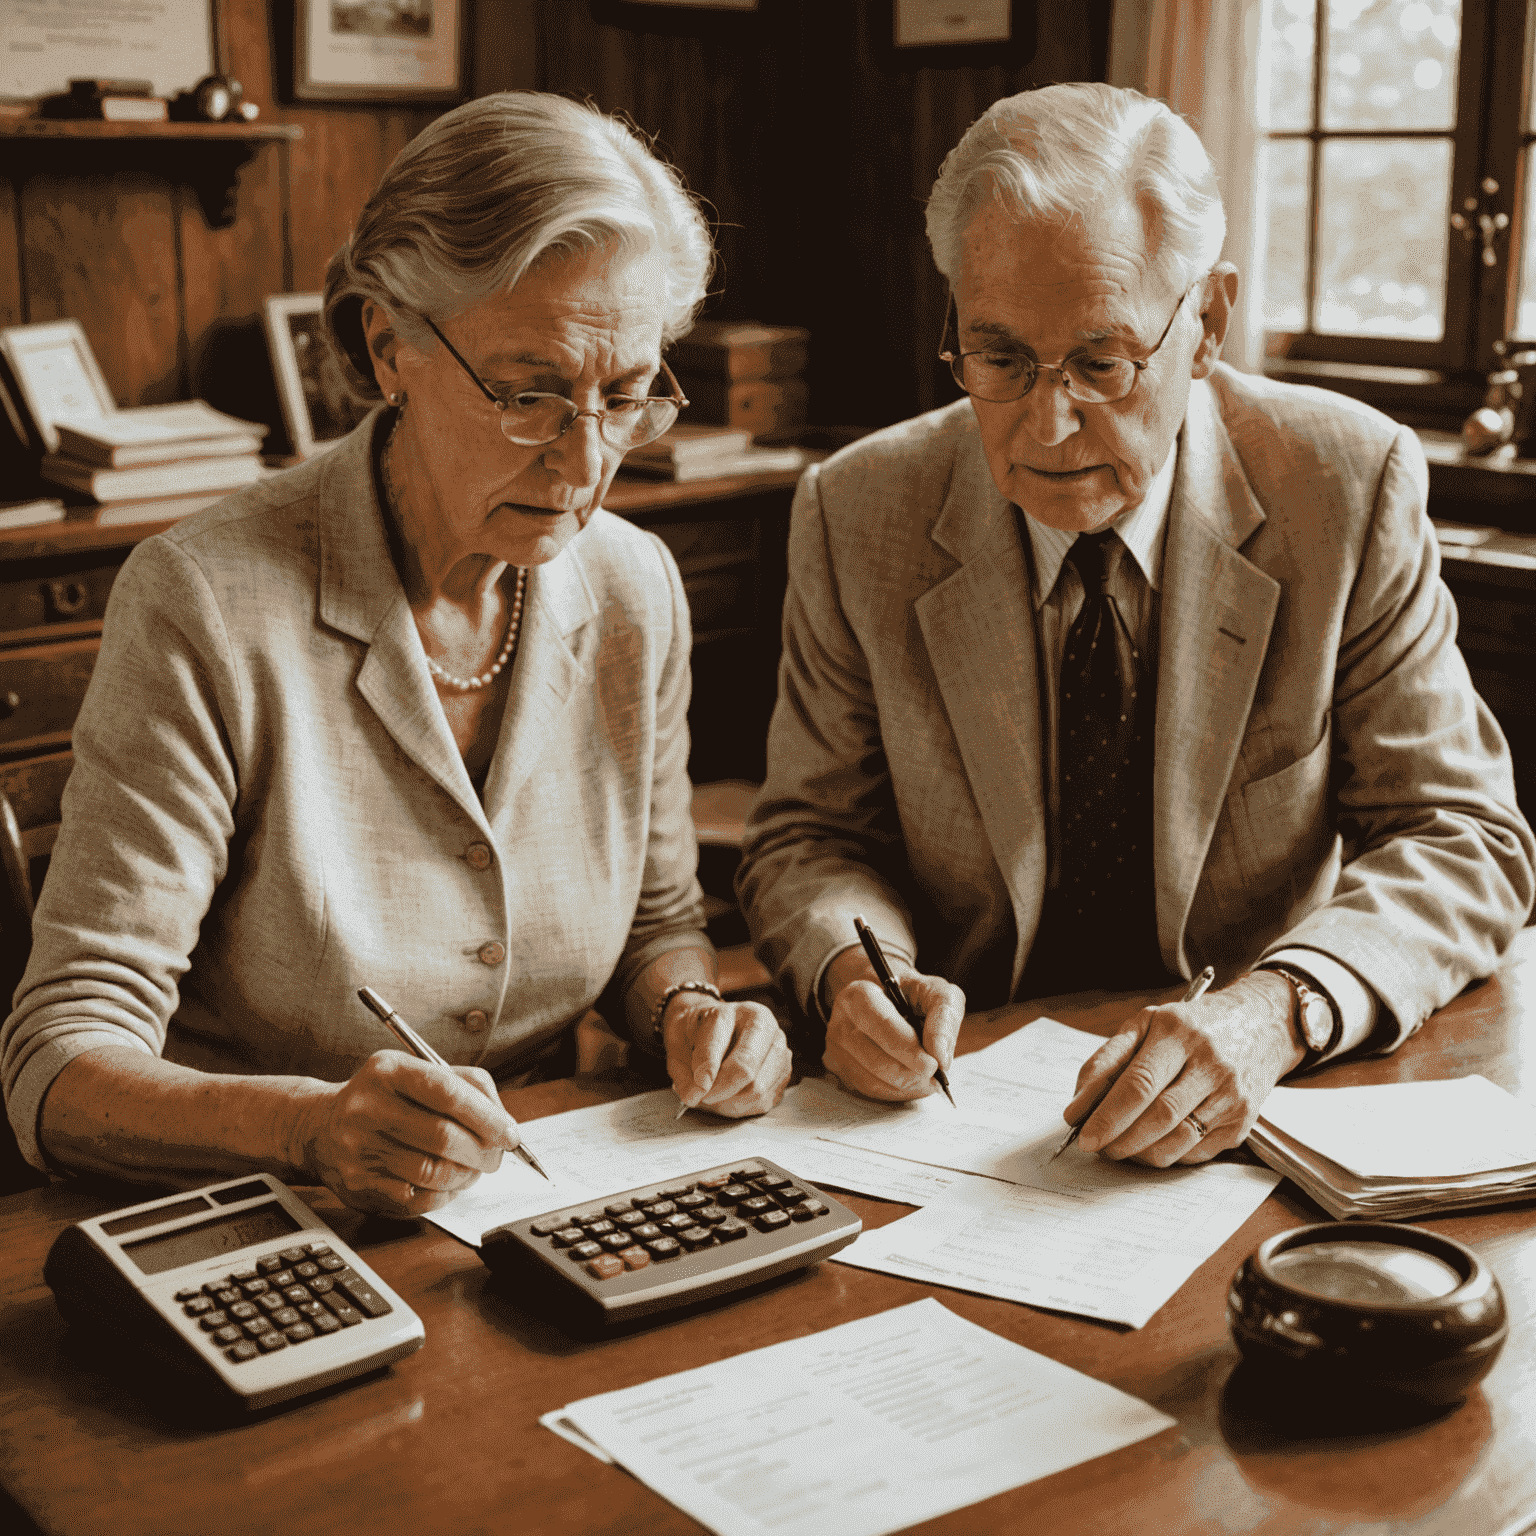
pixel 1199 1125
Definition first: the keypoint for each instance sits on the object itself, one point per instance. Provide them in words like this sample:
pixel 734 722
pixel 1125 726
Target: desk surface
pixel 447 1441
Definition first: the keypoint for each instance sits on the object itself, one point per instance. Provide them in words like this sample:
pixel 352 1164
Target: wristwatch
pixel 1317 1020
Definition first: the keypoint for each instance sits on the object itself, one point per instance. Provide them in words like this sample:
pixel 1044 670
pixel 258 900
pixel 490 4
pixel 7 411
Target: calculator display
pixel 223 1234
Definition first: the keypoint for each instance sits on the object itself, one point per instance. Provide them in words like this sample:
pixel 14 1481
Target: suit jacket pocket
pixel 1283 824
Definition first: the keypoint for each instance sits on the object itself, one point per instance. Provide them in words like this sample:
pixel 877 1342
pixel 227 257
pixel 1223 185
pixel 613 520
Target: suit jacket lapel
pixel 979 627
pixel 1216 613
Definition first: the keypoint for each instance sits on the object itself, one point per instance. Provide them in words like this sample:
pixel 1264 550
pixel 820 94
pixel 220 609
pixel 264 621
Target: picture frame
pixel 56 375
pixel 318 407
pixel 955 34
pixel 413 51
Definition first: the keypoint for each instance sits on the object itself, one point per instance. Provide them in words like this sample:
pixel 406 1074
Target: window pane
pixel 1290 29
pixel 1525 313
pixel 1283 176
pixel 1391 64
pixel 1382 238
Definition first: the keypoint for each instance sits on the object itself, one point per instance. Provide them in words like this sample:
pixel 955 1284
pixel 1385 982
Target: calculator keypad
pixel 681 1218
pixel 291 1297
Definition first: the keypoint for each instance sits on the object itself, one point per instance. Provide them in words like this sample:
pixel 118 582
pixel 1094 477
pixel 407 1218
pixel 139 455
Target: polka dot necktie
pixel 1100 924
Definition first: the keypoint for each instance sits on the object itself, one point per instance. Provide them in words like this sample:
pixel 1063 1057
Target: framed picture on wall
pixel 318 407
pixel 380 50
pixel 57 377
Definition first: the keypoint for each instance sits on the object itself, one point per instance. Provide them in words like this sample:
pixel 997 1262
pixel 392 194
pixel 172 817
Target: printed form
pixel 868 1428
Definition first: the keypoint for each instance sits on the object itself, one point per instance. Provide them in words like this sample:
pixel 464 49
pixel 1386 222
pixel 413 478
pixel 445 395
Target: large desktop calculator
pixel 666 1247
pixel 240 1286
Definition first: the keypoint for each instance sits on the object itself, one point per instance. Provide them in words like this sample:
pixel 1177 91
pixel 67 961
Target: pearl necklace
pixel 464 684
pixel 514 625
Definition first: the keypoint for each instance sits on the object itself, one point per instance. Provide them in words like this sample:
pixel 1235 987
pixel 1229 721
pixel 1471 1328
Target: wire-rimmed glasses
pixel 533 418
pixel 1000 375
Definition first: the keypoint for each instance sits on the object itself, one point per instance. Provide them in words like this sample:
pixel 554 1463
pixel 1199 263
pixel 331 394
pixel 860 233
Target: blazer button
pixel 475 1020
pixel 492 953
pixel 478 856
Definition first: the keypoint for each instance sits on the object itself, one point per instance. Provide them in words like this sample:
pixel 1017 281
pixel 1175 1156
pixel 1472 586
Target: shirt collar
pixel 1140 529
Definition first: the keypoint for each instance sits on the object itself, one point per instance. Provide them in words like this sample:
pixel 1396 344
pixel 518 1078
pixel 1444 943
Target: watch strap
pixel 1304 987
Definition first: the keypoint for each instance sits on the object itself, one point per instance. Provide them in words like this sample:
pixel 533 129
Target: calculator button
pixel 325 1323
pixel 547 1226
pixel 741 1175
pixel 808 1210
pixel 213 1287
pixel 228 1296
pixel 269 1265
pixel 756 1205
pixel 229 1334
pixel 676 1191
pixel 734 1192
pixel 645 1232
pixel 664 1247
pixel 773 1181
pixel 730 1229
pixel 696 1237
pixel 293 1255
pixel 692 1202
pixel 792 1195
pixel 255 1287
pixel 243 1310
pixel 318 1250
pixel 306 1271
pixel 568 1235
pixel 348 1317
pixel 615 1241
pixel 310 1309
pixel 285 1319
pixel 242 1351
pixel 198 1305
pixel 257 1326
pixel 619 1208
pixel 240 1276
pixel 583 1251
pixel 281 1280
pixel 330 1263
pixel 771 1221
pixel 587 1220
pixel 362 1295
pixel 187 1292
pixel 634 1258
pixel 632 1219
pixel 210 1321
pixel 296 1333
pixel 270 1301
pixel 714 1182
pixel 599 1228
pixel 659 1208
pixel 605 1266
pixel 270 1343
pixel 297 1293
pixel 712 1214
pixel 675 1224
pixel 322 1285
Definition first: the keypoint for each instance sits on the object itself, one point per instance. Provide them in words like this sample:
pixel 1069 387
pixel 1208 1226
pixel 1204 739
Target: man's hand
pixel 729 1058
pixel 402 1137
pixel 1215 1059
pixel 870 1047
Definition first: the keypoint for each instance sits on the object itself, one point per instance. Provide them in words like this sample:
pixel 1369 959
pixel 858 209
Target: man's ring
pixel 410 1191
pixel 1200 1126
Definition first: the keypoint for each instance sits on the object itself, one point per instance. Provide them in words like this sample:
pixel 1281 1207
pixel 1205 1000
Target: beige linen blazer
pixel 268 810
pixel 1325 774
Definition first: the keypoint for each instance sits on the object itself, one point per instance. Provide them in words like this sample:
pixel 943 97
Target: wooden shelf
pixel 94 128
pixel 1496 480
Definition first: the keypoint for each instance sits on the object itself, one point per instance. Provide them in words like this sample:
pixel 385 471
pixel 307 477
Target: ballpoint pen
pixel 419 1047
pixel 894 993
pixel 1193 995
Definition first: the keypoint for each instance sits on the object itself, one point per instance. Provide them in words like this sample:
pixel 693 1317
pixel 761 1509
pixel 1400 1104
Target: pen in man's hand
pixel 419 1047
pixel 895 995
pixel 1193 995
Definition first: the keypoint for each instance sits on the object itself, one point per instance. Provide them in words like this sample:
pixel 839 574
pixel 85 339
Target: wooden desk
pixel 447 1441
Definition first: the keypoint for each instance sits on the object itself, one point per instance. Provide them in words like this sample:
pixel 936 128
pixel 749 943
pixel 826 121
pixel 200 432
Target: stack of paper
pixel 864 1429
pixel 1402 1149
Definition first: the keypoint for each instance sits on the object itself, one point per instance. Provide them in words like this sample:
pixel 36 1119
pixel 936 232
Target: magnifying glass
pixel 1368 1310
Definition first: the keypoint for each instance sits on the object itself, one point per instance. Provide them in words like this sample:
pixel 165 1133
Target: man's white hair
pixel 1063 149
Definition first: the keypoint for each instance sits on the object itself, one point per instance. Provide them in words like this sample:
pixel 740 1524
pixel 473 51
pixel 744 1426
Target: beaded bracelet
pixel 659 1011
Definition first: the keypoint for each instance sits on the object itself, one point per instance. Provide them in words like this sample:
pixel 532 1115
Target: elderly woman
pixel 410 716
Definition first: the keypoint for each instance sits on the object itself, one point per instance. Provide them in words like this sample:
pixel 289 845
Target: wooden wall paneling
pixel 101 246
pixel 11 311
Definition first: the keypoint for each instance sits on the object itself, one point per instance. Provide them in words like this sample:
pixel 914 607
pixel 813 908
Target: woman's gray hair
pixel 487 190
pixel 1061 150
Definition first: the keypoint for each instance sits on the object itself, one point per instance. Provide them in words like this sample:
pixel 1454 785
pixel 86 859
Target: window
pixel 1399 180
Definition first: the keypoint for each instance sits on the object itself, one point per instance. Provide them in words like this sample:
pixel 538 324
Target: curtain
pixel 1202 58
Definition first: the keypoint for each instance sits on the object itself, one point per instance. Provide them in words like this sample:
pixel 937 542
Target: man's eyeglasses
pixel 1000 376
pixel 531 418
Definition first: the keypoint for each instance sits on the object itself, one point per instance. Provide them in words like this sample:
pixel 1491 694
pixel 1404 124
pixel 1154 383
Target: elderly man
pixel 1126 665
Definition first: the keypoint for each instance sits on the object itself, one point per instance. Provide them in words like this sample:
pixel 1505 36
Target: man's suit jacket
pixel 1325 775
pixel 268 811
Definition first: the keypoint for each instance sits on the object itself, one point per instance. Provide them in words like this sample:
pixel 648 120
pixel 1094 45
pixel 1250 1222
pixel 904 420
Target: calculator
pixel 239 1286
pixel 666 1247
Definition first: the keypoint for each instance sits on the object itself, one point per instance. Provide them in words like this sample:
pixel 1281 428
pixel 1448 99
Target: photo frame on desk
pixel 318 408
pixel 56 375
pixel 406 51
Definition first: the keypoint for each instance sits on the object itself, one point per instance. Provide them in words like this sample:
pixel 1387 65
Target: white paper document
pixel 864 1429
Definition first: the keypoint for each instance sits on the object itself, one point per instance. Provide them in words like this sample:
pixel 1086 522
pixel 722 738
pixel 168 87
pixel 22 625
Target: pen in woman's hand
pixel 895 995
pixel 1193 995
pixel 419 1047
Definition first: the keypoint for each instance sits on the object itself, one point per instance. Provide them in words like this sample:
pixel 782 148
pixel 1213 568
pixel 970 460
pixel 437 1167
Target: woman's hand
pixel 402 1137
pixel 729 1058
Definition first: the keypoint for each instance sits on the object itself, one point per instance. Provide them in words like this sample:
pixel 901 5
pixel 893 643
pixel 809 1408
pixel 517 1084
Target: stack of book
pixel 741 374
pixel 151 463
pixel 28 514
pixel 691 451
pixel 1401 1150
